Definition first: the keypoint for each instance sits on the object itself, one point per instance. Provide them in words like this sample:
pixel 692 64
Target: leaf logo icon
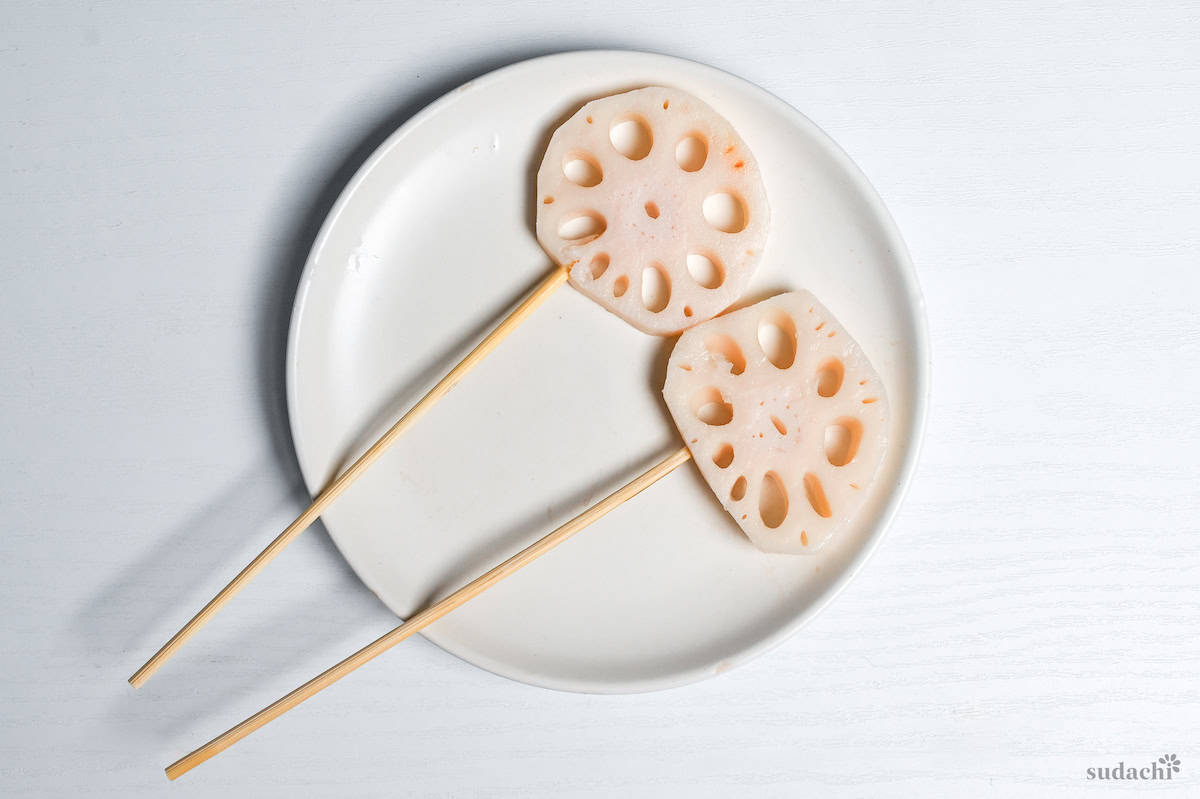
pixel 1171 762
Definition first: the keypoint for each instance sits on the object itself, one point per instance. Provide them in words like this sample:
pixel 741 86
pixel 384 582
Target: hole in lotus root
pixel 723 456
pixel 582 169
pixel 582 227
pixel 738 492
pixel 726 212
pixel 772 500
pixel 631 137
pixel 598 266
pixel 620 286
pixel 830 376
pixel 652 210
pixel 705 269
pixel 711 408
pixel 816 495
pixel 656 288
pixel 842 439
pixel 691 152
pixel 779 425
pixel 722 346
pixel 777 338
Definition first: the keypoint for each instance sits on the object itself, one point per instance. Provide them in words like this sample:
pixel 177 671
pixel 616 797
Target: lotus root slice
pixel 785 417
pixel 655 206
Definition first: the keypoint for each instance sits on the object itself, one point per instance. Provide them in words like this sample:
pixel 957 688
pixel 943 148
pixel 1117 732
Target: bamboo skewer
pixel 428 616
pixel 346 478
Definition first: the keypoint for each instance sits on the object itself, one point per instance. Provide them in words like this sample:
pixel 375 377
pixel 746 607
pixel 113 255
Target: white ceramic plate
pixel 428 247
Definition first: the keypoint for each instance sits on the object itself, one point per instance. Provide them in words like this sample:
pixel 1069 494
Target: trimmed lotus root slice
pixel 785 417
pixel 655 207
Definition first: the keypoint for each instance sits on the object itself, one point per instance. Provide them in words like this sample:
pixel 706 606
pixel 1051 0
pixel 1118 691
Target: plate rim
pixel 922 379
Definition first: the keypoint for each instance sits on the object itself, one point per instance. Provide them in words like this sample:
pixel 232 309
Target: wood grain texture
pixel 1032 613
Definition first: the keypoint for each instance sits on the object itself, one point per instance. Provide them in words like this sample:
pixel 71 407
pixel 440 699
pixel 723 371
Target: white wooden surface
pixel 1033 613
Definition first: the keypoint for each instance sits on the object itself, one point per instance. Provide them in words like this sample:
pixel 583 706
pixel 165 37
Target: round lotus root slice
pixel 785 417
pixel 655 207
